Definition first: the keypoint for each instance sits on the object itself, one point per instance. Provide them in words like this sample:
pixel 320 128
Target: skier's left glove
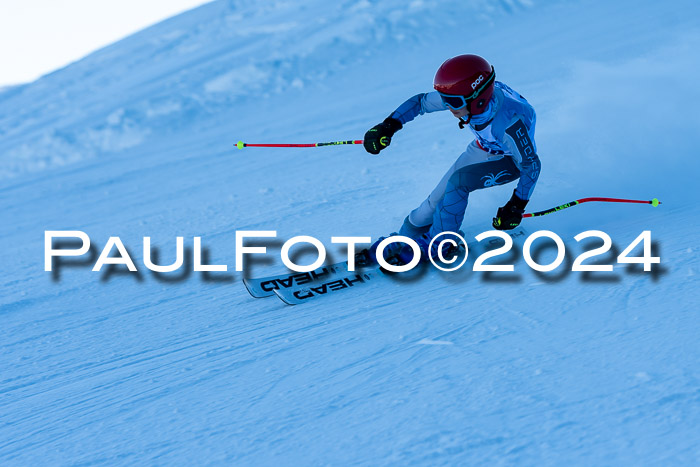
pixel 379 136
pixel 509 216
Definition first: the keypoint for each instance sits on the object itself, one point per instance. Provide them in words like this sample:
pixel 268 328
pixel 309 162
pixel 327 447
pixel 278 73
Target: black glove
pixel 509 216
pixel 379 136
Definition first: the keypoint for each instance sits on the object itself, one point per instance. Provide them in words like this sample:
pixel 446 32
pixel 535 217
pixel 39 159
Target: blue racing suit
pixel 503 151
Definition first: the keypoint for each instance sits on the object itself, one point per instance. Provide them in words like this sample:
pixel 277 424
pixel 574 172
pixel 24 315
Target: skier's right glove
pixel 379 136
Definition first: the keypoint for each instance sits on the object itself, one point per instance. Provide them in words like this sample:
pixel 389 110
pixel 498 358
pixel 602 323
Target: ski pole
pixel 654 202
pixel 241 144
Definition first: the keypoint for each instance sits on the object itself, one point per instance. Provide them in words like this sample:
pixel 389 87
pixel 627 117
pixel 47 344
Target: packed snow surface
pixel 138 140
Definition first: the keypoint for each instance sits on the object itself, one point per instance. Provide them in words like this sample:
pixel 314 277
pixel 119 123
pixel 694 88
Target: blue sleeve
pixel 418 105
pixel 523 149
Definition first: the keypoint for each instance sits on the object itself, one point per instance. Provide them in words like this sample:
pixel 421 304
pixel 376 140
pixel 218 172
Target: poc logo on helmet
pixel 478 81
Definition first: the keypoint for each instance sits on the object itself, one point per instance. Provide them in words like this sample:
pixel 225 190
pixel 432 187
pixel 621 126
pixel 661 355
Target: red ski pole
pixel 654 202
pixel 241 144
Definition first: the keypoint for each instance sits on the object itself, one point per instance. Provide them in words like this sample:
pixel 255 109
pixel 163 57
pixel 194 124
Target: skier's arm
pixel 418 105
pixel 379 136
pixel 524 151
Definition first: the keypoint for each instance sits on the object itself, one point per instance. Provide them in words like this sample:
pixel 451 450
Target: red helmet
pixel 467 76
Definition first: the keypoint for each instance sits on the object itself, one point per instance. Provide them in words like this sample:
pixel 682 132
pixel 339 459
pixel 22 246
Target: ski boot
pixel 405 255
pixel 368 256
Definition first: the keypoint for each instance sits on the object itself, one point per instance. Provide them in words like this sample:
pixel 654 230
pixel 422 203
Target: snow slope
pixel 137 140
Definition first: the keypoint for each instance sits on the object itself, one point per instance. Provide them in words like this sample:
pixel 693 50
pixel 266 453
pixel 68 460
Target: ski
pixel 332 284
pixel 266 286
pixel 299 295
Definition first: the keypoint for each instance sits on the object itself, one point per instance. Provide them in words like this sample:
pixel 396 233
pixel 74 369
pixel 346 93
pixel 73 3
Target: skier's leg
pixel 422 217
pixel 449 212
pixel 410 230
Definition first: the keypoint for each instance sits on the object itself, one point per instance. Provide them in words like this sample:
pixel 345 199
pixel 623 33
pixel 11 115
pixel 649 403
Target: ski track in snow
pixel 467 369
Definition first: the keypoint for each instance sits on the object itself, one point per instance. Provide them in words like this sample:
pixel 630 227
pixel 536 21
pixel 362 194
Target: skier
pixel 503 150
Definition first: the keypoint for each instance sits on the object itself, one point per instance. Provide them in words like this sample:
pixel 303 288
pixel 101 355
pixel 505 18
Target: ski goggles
pixel 457 102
